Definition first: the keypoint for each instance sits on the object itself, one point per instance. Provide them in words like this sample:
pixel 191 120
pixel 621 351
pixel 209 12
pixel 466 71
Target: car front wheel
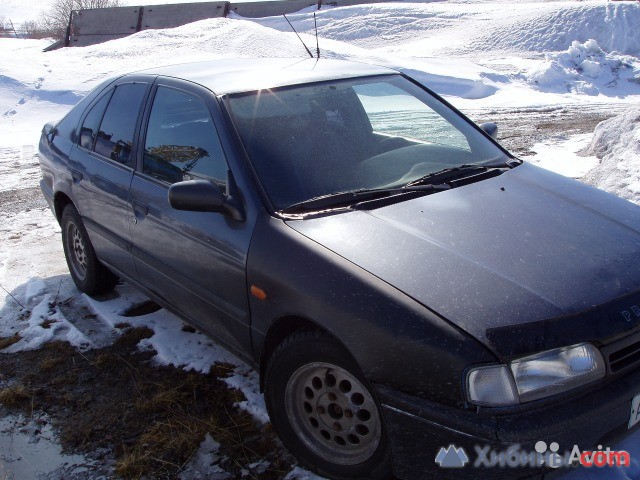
pixel 89 275
pixel 324 410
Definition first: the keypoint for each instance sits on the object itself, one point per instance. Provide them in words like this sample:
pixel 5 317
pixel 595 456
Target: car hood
pixel 526 254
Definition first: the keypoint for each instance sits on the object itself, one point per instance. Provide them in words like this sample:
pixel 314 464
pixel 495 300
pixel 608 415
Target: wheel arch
pixel 282 328
pixel 60 201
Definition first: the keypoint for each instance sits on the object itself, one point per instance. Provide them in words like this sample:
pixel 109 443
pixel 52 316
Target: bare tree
pixel 55 20
pixel 32 29
pixel 6 28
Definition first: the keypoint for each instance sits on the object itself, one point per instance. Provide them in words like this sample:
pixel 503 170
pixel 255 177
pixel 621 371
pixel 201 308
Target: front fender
pixel 395 340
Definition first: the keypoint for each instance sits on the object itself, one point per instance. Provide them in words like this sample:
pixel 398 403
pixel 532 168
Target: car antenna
pixel 316 25
pixel 294 31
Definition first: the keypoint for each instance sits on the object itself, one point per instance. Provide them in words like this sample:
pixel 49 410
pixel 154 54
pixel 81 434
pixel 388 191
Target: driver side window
pixel 181 141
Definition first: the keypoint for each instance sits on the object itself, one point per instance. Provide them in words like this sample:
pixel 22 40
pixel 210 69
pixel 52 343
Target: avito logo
pixel 452 457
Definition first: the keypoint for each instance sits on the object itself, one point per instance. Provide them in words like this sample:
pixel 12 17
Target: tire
pixel 89 275
pixel 324 410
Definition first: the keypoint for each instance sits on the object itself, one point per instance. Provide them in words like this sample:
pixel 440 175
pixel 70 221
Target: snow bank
pixel 456 28
pixel 586 68
pixel 478 51
pixel 616 142
pixel 553 27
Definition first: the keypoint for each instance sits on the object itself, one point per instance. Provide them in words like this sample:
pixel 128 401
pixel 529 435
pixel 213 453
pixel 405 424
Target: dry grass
pixel 14 395
pixel 162 400
pixel 132 337
pixel 47 323
pixel 151 418
pixel 49 364
pixel 170 442
pixel 6 342
pixel 64 348
pixel 132 464
pixel 164 443
pixel 104 359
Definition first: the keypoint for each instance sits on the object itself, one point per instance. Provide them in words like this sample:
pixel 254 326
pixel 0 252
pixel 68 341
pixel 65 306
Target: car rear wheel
pixel 324 410
pixel 89 275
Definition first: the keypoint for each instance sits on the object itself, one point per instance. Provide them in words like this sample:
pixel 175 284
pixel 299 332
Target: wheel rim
pixel 77 250
pixel 333 413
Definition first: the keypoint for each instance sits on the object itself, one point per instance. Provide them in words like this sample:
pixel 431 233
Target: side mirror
pixel 202 196
pixel 490 129
pixel 49 131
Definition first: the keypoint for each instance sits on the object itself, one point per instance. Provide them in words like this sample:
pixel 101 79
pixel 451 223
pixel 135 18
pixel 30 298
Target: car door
pixel 194 261
pixel 102 163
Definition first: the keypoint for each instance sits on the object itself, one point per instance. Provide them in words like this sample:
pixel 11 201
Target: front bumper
pixel 418 429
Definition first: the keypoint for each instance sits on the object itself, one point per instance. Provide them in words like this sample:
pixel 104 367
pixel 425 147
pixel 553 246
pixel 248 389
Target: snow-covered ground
pixel 482 56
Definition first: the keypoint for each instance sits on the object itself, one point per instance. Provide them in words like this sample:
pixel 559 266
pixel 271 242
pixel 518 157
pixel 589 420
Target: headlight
pixel 536 376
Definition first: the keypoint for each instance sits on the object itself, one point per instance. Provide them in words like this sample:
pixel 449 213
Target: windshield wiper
pixel 341 199
pixel 459 171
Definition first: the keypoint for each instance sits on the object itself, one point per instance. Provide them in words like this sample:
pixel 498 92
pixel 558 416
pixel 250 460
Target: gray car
pixel 401 282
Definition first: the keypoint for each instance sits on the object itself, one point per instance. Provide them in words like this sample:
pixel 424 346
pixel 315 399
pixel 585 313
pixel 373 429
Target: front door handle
pixel 140 210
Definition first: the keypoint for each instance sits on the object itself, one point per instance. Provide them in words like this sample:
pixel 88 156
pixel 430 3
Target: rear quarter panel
pixel 54 154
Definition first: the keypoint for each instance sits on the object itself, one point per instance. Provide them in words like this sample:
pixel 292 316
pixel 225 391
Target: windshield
pixel 351 135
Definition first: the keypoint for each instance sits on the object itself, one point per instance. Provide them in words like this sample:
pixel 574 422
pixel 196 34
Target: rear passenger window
pixel 182 142
pixel 115 137
pixel 89 129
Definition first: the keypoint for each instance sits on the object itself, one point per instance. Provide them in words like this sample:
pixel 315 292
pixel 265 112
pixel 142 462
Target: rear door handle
pixel 76 176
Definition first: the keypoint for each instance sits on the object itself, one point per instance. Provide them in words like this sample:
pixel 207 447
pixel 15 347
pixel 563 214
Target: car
pixel 400 281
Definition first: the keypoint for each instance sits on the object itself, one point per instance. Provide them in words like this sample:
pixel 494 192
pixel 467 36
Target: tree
pixel 6 28
pixel 55 20
pixel 31 29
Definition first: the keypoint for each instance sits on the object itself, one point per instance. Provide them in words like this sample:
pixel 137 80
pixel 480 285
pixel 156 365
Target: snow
pixel 616 143
pixel 44 324
pixel 248 381
pixel 204 463
pixel 425 29
pixel 482 56
pixel 300 474
pixel 564 155
pixel 586 68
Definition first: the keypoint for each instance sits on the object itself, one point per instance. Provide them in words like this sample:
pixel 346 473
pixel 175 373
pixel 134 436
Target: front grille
pixel 624 358
pixel 623 354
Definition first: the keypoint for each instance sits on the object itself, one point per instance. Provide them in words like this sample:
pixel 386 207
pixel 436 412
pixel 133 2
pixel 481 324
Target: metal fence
pixel 91 26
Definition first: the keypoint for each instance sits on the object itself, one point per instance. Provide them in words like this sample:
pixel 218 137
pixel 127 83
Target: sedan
pixel 407 289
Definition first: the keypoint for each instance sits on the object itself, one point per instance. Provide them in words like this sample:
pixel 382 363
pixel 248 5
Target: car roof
pixel 251 74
